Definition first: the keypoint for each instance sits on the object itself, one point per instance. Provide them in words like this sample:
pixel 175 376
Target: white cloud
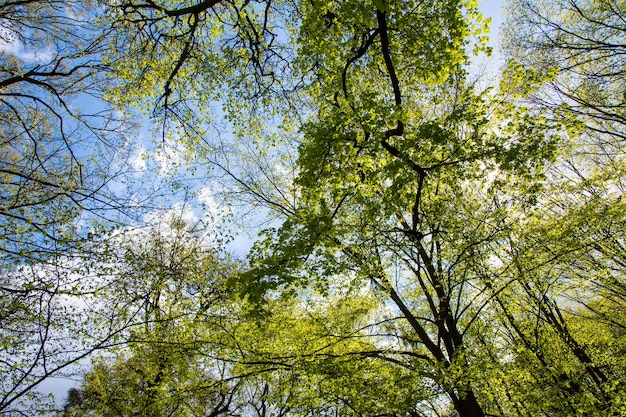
pixel 138 157
pixel 164 219
pixel 168 158
pixel 213 211
pixel 9 45
pixel 205 196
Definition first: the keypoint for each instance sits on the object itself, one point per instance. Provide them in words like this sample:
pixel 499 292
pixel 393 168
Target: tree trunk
pixel 468 405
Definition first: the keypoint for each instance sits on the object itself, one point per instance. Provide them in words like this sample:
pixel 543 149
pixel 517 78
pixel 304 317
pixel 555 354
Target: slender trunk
pixel 465 403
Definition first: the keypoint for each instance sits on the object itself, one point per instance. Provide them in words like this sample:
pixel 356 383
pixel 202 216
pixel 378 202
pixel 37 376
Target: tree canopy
pixel 423 245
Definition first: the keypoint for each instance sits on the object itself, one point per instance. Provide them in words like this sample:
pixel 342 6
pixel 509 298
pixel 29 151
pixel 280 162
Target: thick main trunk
pixel 467 406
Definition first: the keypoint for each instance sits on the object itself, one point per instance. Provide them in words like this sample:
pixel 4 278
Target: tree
pixel 66 181
pixel 161 377
pixel 564 257
pixel 567 249
pixel 168 290
pixel 312 357
pixel 574 50
pixel 577 43
pixel 59 161
pixel 50 322
pixel 175 59
pixel 396 192
pixel 193 348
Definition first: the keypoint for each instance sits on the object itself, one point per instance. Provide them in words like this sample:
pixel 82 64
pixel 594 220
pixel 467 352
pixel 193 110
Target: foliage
pixel 58 159
pixel 194 349
pixel 432 248
pixel 167 285
pixel 396 193
pixel 575 49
